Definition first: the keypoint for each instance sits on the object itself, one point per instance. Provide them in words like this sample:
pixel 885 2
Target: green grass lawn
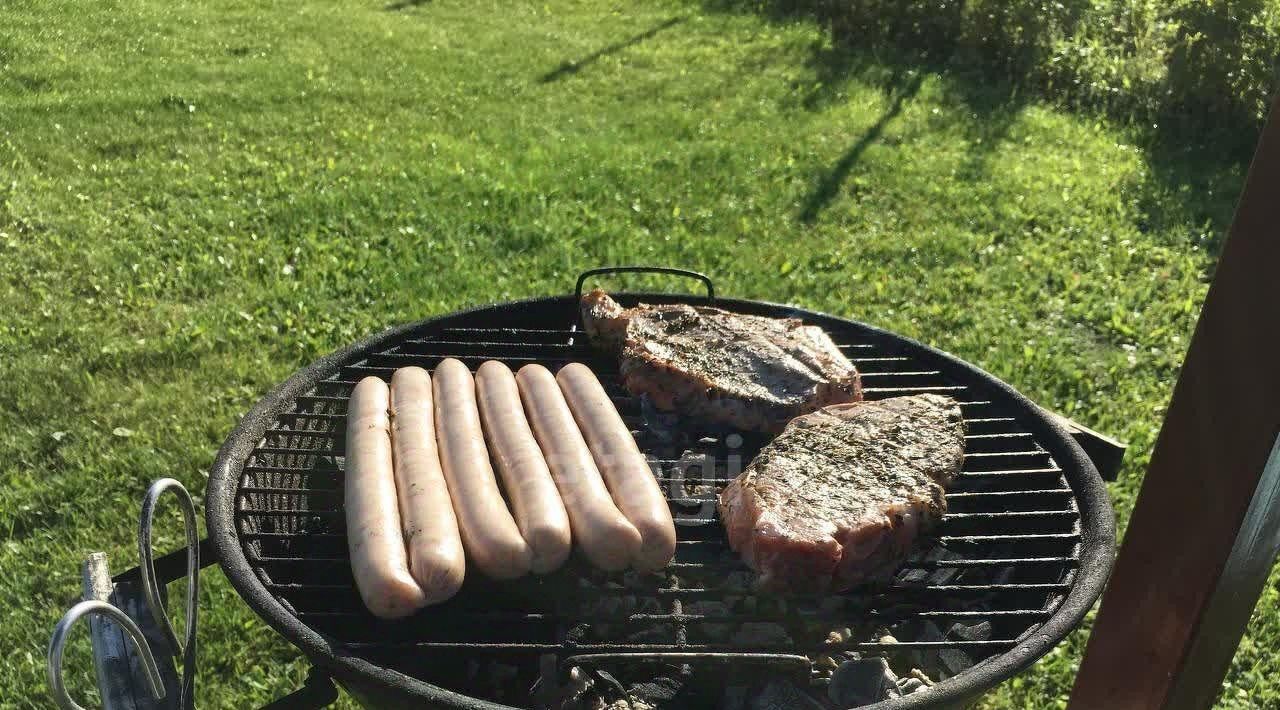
pixel 198 198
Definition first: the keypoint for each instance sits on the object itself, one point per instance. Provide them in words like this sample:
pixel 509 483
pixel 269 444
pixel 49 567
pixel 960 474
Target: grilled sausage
pixel 436 559
pixel 626 472
pixel 489 533
pixel 603 533
pixel 532 493
pixel 378 560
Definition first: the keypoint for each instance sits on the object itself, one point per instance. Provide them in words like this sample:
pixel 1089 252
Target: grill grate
pixel 1006 553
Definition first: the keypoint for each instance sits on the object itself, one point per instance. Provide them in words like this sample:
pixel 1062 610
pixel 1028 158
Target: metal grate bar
pixel 288 450
pixel 308 535
pixel 702 591
pixel 915 564
pixel 1008 494
pixel 1000 437
pixel 251 490
pixel 1009 537
pixel 1011 514
pixel 487 345
pixel 900 391
pixel 338 434
pixel 929 564
pixel 923 588
pixel 324 398
pixel 471 361
pixel 997 562
pixel 419 352
pixel 334 433
pixel 474 331
pixel 263 468
pixel 993 515
pixel 643 647
pixel 462 618
pixel 691 462
pixel 1011 472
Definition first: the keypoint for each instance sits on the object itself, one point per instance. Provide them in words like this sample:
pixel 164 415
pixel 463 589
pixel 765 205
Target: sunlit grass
pixel 197 199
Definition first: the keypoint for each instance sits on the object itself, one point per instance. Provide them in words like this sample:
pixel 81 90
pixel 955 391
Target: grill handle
pixel 1105 452
pixel 706 280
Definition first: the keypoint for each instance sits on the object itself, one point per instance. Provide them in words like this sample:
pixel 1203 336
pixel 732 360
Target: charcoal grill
pixel 1023 551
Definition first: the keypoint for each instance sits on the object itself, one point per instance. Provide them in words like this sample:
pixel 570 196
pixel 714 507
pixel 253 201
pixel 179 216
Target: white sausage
pixel 436 559
pixel 376 544
pixel 538 509
pixel 603 533
pixel 489 533
pixel 626 472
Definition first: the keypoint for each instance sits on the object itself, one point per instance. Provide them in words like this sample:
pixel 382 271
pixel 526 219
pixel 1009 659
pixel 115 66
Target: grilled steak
pixel 839 497
pixel 751 372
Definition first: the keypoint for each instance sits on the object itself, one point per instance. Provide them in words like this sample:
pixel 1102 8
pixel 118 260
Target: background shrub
pixel 1195 64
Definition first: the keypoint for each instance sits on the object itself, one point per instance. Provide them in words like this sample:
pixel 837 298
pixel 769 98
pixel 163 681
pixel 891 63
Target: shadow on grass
pixel 829 185
pixel 573 66
pixel 1193 189
pixel 1197 158
pixel 403 5
pixel 995 105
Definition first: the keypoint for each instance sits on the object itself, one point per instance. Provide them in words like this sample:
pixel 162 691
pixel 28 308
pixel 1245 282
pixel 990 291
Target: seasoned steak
pixel 839 497
pixel 751 372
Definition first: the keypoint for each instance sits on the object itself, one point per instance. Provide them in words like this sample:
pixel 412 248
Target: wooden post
pixel 1205 528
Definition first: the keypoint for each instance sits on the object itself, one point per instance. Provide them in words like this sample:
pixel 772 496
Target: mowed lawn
pixel 198 198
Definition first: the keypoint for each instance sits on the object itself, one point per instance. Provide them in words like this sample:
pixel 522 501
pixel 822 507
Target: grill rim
pixel 1097 517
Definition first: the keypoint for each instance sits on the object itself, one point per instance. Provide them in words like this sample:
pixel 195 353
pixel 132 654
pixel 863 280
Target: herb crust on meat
pixel 841 495
pixel 751 372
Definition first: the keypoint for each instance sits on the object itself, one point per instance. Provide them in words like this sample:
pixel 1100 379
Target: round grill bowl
pixel 1027 544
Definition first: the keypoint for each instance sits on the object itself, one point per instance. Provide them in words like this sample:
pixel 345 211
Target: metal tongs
pixel 122 614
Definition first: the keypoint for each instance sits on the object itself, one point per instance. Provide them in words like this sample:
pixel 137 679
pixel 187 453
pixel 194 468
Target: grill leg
pixel 118 668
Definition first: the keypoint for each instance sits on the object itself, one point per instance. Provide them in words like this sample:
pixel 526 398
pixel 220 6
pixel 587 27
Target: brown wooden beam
pixel 1192 563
